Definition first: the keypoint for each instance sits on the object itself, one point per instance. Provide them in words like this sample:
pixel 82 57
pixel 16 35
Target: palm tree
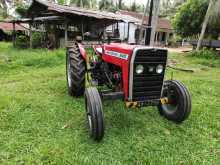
pixel 212 12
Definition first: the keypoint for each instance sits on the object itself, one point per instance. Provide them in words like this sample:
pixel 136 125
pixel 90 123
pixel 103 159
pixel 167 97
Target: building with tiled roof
pixel 128 30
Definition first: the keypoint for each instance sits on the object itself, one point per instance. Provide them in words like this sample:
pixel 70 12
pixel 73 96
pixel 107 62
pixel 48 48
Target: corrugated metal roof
pixel 84 12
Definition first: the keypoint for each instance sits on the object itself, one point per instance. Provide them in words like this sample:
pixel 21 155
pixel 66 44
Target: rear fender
pixel 96 48
pixel 82 51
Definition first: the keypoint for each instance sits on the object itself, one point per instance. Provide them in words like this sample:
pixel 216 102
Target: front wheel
pixel 94 114
pixel 178 105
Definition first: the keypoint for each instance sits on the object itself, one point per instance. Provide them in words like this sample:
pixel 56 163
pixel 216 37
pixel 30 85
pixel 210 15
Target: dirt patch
pixel 180 49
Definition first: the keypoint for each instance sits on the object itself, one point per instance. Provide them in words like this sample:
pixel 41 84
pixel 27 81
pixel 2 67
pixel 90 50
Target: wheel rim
pixel 69 74
pixel 173 104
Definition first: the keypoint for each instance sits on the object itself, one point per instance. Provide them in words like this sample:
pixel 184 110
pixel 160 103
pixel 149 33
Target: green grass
pixel 41 124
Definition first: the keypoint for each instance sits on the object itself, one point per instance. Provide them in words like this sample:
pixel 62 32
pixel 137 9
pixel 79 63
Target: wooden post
pixel 82 28
pixel 66 34
pixel 128 32
pixel 14 34
pixel 124 31
pixel 30 34
pixel 167 38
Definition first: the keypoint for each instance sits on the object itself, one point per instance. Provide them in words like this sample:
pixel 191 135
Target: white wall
pixel 123 31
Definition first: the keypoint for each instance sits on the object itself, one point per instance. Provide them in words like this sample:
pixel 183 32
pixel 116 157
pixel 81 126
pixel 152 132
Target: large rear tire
pixel 93 104
pixel 75 71
pixel 179 103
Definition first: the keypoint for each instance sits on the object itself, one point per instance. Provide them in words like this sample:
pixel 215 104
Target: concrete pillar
pixel 128 31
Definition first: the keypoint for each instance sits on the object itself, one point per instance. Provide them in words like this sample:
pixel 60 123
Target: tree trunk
pixel 142 22
pixel 154 21
pixel 90 4
pixel 204 25
pixel 120 4
pixel 81 3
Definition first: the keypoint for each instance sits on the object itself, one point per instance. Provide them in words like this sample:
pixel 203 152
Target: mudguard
pixel 98 49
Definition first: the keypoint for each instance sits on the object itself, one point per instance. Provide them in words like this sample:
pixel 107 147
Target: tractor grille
pixel 148 85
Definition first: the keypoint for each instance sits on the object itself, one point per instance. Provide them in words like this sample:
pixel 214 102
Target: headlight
pixel 159 69
pixel 139 69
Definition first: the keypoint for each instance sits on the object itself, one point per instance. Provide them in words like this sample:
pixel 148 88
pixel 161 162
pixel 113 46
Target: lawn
pixel 41 124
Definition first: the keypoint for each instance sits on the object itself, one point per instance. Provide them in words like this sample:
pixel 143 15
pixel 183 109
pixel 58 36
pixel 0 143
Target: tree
pixel 3 9
pixel 81 3
pixel 107 5
pixel 104 4
pixel 188 19
pixel 134 6
pixel 170 7
pixel 212 11
pixel 92 4
pixel 120 3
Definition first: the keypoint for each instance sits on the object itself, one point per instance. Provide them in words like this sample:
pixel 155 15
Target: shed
pixel 11 28
pixel 69 18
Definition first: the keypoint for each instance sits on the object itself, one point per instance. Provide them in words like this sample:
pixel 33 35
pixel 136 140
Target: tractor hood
pixel 123 51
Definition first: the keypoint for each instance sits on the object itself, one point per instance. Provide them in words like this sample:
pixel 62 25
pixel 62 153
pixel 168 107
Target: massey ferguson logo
pixel 117 54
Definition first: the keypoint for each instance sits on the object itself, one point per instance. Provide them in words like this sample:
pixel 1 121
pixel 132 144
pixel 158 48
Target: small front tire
pixel 179 103
pixel 93 104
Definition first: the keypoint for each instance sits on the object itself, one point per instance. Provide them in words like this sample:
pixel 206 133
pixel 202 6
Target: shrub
pixel 173 42
pixel 37 40
pixel 22 41
pixel 204 53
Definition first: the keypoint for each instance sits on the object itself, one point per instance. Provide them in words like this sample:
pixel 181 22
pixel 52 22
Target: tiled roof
pixel 162 22
pixel 9 26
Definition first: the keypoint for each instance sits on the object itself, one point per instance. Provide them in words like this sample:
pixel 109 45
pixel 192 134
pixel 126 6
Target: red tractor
pixel 132 73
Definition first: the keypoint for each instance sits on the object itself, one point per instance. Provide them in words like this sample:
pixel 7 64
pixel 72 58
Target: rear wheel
pixel 94 114
pixel 75 71
pixel 178 107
